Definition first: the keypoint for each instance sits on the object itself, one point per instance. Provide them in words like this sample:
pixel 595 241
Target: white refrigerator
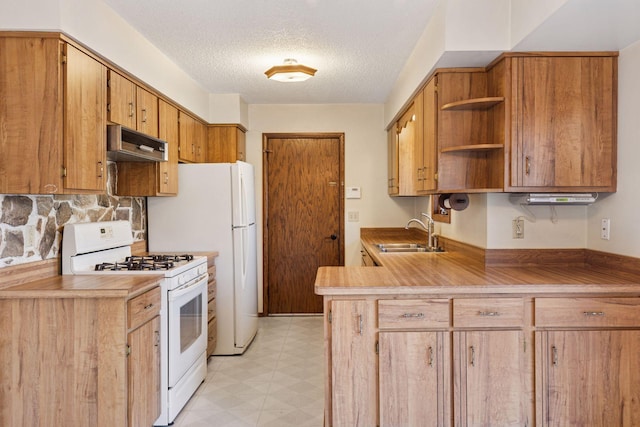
pixel 215 211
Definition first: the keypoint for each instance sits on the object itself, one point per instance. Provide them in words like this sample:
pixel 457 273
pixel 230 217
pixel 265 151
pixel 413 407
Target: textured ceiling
pixel 358 46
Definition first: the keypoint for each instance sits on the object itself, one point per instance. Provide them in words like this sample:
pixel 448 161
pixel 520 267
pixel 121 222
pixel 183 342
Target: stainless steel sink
pixel 404 247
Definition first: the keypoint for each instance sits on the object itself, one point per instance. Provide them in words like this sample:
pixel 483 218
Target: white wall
pixel 623 207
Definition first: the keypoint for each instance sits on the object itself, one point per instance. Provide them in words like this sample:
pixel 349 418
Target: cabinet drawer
pixel 211 290
pixel 431 313
pixel 143 307
pixel 211 309
pixel 212 338
pixel 587 312
pixel 488 312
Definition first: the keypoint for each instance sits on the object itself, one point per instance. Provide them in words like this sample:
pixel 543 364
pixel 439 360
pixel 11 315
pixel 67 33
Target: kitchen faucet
pixel 428 227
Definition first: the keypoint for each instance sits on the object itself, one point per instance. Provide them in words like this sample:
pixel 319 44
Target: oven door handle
pixel 185 289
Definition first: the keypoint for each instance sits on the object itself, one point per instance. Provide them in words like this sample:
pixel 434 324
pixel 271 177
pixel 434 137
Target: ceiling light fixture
pixel 290 71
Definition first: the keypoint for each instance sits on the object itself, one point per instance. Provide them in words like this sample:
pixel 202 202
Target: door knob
pixel 333 237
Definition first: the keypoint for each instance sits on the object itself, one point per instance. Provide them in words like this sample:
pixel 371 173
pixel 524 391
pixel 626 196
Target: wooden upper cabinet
pixel 53 138
pixel 132 106
pixel 200 142
pixel 122 100
pixel 408 136
pixel 154 178
pixel 428 155
pixel 564 115
pixel 147 112
pixel 85 156
pixel 187 138
pixel 392 161
pixel 226 143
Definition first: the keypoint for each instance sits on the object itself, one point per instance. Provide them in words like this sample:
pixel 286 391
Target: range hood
pixel 126 145
pixel 553 198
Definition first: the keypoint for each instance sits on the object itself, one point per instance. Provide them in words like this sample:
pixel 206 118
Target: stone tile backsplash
pixel 31 225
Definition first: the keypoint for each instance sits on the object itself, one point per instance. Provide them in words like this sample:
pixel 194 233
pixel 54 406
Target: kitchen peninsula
pixel 452 339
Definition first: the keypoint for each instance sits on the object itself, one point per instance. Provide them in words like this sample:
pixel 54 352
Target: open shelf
pixel 473 104
pixel 472 147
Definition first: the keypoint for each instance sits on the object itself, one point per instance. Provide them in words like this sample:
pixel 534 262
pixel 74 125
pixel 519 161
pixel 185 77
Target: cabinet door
pixel 414 380
pixel 200 135
pixel 392 161
pixel 491 377
pixel 429 154
pixel 147 112
pixel 144 373
pixel 406 153
pixel 566 123
pixel 30 116
pixel 168 131
pixel 122 100
pixel 353 364
pixel 85 145
pixel 588 378
pixel 187 143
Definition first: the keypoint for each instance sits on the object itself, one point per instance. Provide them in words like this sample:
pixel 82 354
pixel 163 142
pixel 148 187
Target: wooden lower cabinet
pixel 414 379
pixel 482 361
pixel 490 377
pixel 143 379
pixel 354 391
pixel 80 361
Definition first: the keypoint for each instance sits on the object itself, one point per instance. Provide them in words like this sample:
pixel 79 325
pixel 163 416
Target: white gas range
pixel 100 248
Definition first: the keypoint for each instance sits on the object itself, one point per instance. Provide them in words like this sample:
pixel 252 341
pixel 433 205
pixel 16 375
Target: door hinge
pixel 128 350
pixel 64 172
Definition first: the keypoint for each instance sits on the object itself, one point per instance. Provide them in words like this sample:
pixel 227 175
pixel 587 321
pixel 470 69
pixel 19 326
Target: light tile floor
pixel 278 382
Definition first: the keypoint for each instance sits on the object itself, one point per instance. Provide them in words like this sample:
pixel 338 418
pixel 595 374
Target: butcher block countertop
pixel 460 271
pixel 93 286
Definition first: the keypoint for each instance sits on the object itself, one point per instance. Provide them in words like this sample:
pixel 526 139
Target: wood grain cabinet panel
pixel 53 115
pixel 414 379
pixel 588 378
pixel 226 143
pixel 587 312
pixel 491 379
pixel 212 328
pixel 354 364
pixel 488 312
pixel 565 122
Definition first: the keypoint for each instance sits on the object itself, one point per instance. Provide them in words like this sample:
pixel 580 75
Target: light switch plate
pixel 352 193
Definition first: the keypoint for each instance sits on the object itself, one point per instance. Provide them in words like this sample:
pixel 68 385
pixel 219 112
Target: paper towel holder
pixel 456 201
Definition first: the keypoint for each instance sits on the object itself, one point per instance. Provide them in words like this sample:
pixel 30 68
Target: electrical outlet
pixel 353 216
pixel 518 229
pixel 605 229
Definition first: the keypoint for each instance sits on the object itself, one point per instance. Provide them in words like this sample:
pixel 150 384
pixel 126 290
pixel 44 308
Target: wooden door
pixel 588 378
pixel 85 111
pixel 490 377
pixel 566 122
pixel 392 161
pixel 187 143
pixel 354 391
pixel 303 205
pixel 406 153
pixel 429 133
pixel 412 379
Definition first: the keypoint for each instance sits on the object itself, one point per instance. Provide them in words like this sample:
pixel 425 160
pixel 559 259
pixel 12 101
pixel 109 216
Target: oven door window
pixel 190 322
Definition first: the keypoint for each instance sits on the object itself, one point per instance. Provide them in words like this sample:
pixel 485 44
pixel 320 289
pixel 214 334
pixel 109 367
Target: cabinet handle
pixel 488 313
pixel 193 149
pixel 473 356
pixel 166 177
pixel 131 112
pixel 527 165
pixel 100 170
pixel 593 313
pixel 360 323
pixel 430 356
pixel 144 115
pixel 554 355
pixel 157 338
pixel 413 315
pixel 148 306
